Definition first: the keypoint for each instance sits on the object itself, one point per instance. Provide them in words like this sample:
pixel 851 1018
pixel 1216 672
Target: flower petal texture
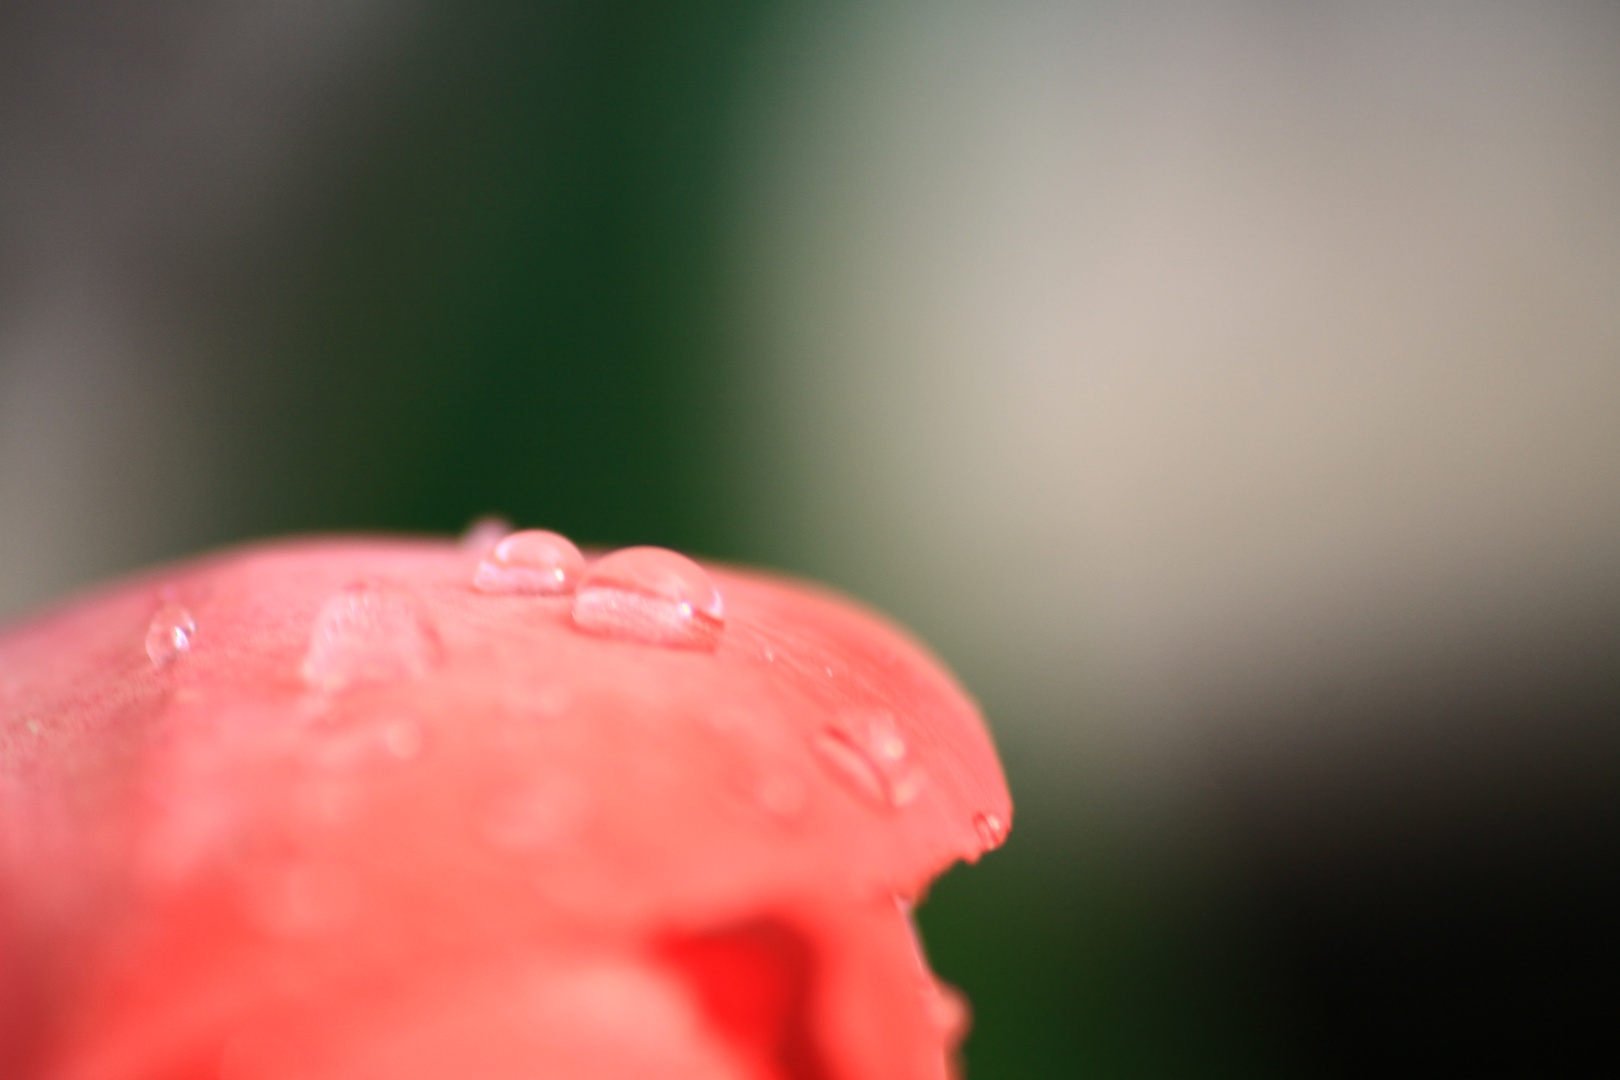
pixel 354 818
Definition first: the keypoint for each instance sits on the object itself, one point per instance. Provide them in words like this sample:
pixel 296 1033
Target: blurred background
pixel 1229 391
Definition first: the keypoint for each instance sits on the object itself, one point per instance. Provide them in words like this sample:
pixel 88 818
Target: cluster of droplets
pixel 371 633
pixel 645 594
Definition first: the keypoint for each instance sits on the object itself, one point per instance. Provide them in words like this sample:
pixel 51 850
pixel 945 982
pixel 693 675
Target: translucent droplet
pixel 369 634
pixel 650 595
pixel 534 562
pixel 869 755
pixel 169 634
pixel 484 532
pixel 991 829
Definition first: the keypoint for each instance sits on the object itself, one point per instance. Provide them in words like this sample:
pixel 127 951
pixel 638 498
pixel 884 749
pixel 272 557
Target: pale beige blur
pixel 1134 353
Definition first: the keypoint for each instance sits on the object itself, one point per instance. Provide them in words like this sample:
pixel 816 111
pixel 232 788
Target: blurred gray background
pixel 1229 391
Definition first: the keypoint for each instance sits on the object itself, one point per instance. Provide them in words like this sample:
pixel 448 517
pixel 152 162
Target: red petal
pixel 229 843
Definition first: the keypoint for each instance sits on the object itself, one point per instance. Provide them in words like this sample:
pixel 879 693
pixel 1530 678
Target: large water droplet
pixel 869 755
pixel 533 561
pixel 367 634
pixel 169 634
pixel 651 595
pixel 991 829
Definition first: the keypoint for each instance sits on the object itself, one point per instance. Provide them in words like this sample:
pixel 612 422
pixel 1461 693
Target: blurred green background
pixel 1227 394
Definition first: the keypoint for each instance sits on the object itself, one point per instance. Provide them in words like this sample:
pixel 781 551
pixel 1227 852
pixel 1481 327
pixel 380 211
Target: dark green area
pixel 510 303
pixel 1094 954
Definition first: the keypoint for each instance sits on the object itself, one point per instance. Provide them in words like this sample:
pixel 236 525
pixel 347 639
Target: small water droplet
pixel 869 755
pixel 367 634
pixel 991 829
pixel 533 562
pixel 169 634
pixel 651 595
pixel 483 533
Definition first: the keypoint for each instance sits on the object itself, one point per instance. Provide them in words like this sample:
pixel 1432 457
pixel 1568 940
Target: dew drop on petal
pixel 869 755
pixel 991 829
pixel 533 562
pixel 369 634
pixel 650 595
pixel 849 764
pixel 169 634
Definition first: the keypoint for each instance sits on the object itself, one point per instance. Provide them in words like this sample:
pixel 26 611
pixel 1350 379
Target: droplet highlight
pixel 369 634
pixel 169 634
pixel 532 562
pixel 991 829
pixel 651 595
pixel 870 757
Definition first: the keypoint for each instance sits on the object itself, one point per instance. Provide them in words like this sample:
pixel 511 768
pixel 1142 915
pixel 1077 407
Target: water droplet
pixel 869 755
pixel 483 533
pixel 847 761
pixel 169 634
pixel 533 562
pixel 991 829
pixel 367 634
pixel 651 595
